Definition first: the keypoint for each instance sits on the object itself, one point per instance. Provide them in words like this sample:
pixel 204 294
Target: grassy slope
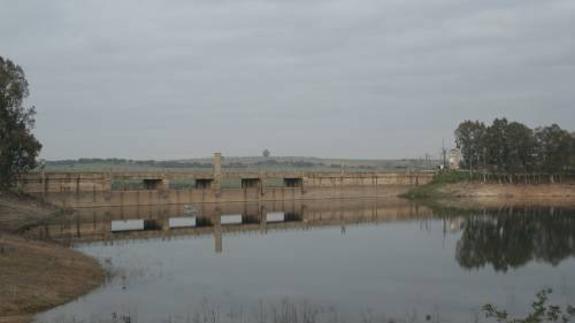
pixel 20 211
pixel 34 275
pixel 433 190
pixel 456 189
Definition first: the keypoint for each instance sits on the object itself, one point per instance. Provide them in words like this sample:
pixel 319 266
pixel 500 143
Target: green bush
pixel 540 311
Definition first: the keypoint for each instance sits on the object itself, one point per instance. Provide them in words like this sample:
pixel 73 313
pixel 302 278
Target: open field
pixel 309 164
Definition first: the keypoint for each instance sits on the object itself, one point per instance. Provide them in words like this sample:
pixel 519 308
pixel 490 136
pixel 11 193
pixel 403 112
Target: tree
pixel 521 146
pixel 511 147
pixel 469 138
pixel 572 152
pixel 554 148
pixel 18 146
pixel 266 153
pixel 496 150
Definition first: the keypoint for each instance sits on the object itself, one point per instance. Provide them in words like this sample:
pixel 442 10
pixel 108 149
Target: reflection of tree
pixel 513 239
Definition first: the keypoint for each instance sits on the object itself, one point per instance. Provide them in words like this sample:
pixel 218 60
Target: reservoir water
pixel 329 261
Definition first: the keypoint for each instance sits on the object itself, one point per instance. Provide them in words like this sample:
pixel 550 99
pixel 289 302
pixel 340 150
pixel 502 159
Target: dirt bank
pixel 479 195
pixel 510 191
pixel 34 275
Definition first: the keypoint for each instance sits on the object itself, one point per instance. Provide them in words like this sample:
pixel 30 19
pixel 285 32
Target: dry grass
pixel 18 212
pixel 16 319
pixel 478 195
pixel 36 276
pixel 564 192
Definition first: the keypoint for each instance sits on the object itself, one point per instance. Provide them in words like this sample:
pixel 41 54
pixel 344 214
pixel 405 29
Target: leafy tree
pixel 469 137
pixel 512 147
pixel 521 145
pixel 572 153
pixel 555 148
pixel 496 145
pixel 18 146
pixel 266 153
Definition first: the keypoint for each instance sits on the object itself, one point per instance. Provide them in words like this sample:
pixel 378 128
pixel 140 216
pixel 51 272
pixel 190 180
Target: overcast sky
pixel 328 78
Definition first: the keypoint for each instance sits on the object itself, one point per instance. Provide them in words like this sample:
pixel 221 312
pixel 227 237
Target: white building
pixel 454 158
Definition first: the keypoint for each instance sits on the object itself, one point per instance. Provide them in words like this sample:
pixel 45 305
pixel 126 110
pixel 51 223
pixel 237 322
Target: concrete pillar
pixel 107 182
pixel 44 184
pixel 217 222
pixel 166 224
pixel 263 219
pixel 165 185
pixel 77 185
pixel 218 176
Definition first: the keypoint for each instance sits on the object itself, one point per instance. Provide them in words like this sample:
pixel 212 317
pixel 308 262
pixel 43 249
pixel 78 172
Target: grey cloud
pixel 341 78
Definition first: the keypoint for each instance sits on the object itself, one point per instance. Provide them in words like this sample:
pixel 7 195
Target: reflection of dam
pixel 113 223
pixel 504 238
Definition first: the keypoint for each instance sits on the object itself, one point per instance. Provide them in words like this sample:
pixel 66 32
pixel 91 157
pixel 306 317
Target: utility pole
pixel 444 153
pixel 484 165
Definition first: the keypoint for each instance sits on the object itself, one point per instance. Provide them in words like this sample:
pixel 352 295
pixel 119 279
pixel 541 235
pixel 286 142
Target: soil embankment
pixel 35 275
pixel 509 191
pixel 479 195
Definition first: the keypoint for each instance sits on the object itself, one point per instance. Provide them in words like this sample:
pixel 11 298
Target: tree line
pixel 514 148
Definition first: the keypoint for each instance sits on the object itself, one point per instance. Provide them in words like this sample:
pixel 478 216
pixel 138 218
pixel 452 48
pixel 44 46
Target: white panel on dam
pixel 275 217
pixel 182 222
pixel 231 219
pixel 127 225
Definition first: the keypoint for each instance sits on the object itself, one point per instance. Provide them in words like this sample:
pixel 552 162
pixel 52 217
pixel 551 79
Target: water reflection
pixel 511 238
pixel 501 237
pixel 166 222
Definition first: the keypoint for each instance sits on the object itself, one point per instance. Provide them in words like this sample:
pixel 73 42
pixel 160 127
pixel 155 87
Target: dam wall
pixel 200 196
pixel 67 182
pixel 133 188
pixel 45 182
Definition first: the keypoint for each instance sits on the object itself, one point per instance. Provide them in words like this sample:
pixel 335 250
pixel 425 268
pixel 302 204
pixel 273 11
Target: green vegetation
pixel 511 148
pixel 432 189
pixel 260 163
pixel 266 153
pixel 540 311
pixel 18 146
pixel 506 152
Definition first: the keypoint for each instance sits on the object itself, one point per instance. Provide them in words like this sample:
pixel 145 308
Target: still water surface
pixel 361 261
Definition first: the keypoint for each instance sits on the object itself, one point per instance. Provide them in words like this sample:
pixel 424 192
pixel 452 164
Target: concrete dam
pixel 102 189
